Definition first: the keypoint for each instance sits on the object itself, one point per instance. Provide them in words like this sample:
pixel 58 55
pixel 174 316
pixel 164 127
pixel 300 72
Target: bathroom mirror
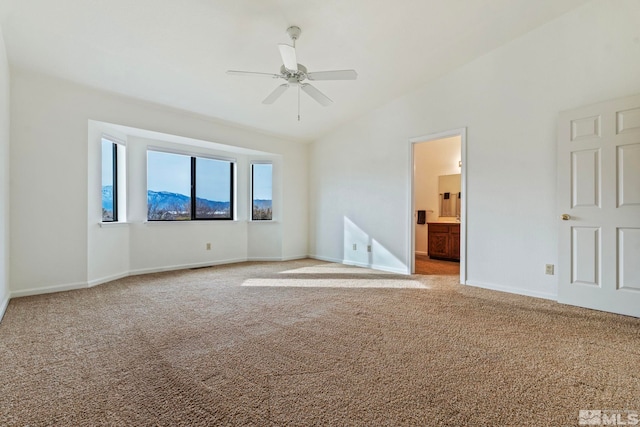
pixel 449 196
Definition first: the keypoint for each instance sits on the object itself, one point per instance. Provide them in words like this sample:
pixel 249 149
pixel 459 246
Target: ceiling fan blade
pixel 252 73
pixel 275 94
pixel 289 59
pixel 322 99
pixel 333 75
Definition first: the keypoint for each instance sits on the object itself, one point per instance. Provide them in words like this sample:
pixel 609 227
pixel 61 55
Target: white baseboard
pixel 263 259
pixel 325 258
pixel 106 279
pixel 184 266
pixel 377 267
pixel 361 264
pixel 294 257
pixel 49 289
pixel 421 253
pixel 3 306
pixel 512 290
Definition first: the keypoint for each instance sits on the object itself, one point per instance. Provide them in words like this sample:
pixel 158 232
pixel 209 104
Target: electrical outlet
pixel 208 246
pixel 549 269
pixel 355 247
pixel 368 248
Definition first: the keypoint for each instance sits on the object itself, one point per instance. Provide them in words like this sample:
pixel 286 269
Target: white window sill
pixel 117 224
pixel 192 222
pixel 113 224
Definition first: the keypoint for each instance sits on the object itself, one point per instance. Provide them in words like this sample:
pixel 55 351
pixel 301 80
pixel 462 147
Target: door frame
pixel 411 226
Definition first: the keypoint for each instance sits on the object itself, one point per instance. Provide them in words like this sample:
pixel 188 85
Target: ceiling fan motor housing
pixel 294 77
pixel 294 32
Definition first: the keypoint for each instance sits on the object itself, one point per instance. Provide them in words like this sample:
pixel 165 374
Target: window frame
pixel 251 197
pixel 114 178
pixel 192 195
pixel 194 184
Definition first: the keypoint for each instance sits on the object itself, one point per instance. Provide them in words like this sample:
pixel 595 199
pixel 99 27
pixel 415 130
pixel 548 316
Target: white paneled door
pixel 599 206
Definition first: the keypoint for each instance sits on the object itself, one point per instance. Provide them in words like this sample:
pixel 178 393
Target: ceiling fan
pixel 295 74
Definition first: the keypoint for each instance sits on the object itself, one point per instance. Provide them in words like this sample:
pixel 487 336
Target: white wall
pixel 57 242
pixel 508 100
pixel 4 177
pixel 166 245
pixel 108 247
pixel 432 159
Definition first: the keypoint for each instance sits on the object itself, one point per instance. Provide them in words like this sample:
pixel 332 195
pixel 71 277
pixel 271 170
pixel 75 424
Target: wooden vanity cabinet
pixel 444 240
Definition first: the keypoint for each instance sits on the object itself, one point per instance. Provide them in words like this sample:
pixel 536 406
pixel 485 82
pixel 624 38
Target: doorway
pixel 438 204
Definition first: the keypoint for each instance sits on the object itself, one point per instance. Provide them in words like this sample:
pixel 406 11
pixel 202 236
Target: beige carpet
pixel 309 343
pixel 428 266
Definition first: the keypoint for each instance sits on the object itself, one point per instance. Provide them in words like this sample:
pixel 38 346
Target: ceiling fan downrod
pixel 294 33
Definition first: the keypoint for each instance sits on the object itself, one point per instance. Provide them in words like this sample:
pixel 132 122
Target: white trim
pixel 404 272
pixel 106 279
pixel 110 224
pixel 188 153
pixel 113 139
pixel 512 290
pixel 325 258
pixel 195 222
pixel 261 162
pixel 185 266
pixel 421 253
pixel 49 289
pixel 3 306
pixel 462 133
pixel 294 257
pixel 261 259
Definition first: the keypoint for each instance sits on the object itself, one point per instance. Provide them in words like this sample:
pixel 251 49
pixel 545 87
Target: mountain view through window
pixel 170 179
pixel 261 189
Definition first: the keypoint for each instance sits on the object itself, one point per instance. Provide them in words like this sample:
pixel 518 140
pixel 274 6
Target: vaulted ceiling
pixel 176 53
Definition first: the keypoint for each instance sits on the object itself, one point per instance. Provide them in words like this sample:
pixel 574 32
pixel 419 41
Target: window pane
pixel 109 197
pixel 213 189
pixel 168 186
pixel 261 185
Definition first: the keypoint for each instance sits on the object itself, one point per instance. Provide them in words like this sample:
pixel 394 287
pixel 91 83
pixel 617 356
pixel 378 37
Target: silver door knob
pixel 565 217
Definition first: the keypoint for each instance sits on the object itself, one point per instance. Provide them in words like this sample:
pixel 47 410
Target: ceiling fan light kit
pixel 295 74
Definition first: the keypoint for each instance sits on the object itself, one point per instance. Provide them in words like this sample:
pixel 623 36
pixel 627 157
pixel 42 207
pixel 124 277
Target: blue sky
pixel 213 179
pixel 172 173
pixel 262 181
pixel 168 172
